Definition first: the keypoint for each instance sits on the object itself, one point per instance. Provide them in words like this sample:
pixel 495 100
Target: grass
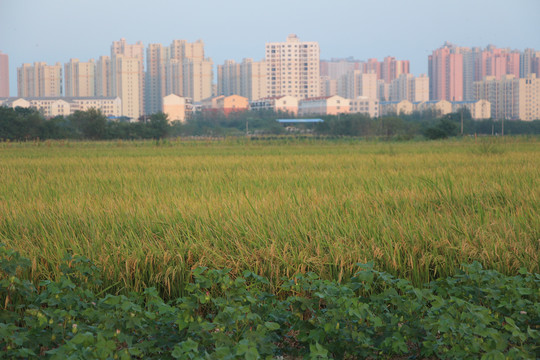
pixel 147 213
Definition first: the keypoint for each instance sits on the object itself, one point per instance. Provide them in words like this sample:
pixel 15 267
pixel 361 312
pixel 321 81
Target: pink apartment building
pixel 4 75
pixel 445 66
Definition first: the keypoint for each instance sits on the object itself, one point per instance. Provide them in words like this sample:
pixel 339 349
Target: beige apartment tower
pixel 356 83
pixel 247 79
pixel 409 87
pixel 126 84
pixel 293 68
pixel 156 59
pixel 127 68
pixel 80 78
pixel 197 78
pixel 511 98
pixel 39 80
pixel 179 69
pixel 103 79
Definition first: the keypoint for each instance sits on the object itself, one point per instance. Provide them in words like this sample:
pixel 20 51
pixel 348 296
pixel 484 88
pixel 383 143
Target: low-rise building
pixel 439 107
pixel 324 105
pixel 365 105
pixel 177 108
pixel 403 107
pixel 480 109
pixel 225 104
pixel 64 106
pixel 285 103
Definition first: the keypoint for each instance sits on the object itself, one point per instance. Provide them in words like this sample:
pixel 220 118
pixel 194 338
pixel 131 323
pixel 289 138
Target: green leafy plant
pixel 475 314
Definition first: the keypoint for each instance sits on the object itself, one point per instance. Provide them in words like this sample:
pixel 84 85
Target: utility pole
pixel 502 127
pixel 462 121
pixel 247 127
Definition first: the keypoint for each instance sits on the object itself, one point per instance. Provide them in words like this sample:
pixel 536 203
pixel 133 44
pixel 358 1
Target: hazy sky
pixel 57 30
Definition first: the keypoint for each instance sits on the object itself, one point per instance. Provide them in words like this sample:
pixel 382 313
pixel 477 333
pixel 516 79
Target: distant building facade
pixel 39 80
pixel 4 75
pixel 357 83
pixel 437 107
pixel 177 108
pixel 225 104
pixel 510 97
pixel 293 68
pixel 285 103
pixel 403 107
pixel 480 109
pixel 248 79
pixel 64 106
pixel 365 105
pixel 324 105
pixel 409 87
pixel 80 78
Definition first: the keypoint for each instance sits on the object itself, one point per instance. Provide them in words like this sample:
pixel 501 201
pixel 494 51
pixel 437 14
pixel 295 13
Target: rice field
pixel 147 213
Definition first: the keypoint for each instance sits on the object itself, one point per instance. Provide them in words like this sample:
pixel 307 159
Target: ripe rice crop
pixel 147 213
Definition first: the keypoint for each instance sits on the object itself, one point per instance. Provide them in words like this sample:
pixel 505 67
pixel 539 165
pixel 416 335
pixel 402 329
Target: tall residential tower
pixel 127 75
pixel 39 80
pixel 293 68
pixel 4 75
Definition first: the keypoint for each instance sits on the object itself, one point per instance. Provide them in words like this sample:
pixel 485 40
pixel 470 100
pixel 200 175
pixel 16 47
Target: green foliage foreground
pixel 475 314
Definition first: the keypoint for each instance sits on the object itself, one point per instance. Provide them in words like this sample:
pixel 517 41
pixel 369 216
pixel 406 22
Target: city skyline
pixel 241 29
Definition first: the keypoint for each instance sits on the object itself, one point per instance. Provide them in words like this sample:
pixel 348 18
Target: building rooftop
pixel 286 121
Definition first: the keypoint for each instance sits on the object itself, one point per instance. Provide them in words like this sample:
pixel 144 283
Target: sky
pixel 57 30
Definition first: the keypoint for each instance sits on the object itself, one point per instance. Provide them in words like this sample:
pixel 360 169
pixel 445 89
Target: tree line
pixel 21 124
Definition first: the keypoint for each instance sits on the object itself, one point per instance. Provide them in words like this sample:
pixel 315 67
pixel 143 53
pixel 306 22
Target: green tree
pixel 158 126
pixel 445 128
pixel 90 124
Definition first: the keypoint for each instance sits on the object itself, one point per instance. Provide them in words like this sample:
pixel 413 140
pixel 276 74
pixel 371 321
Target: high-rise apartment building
pixel 247 79
pixel 39 80
pixel 127 74
pixel 293 68
pixel 179 69
pixel 79 78
pixel 103 78
pixel 4 75
pixel 197 78
pixel 229 78
pixel 189 73
pixel 392 68
pixel 445 67
pixel 336 68
pixel 496 62
pixel 174 77
pixel 454 69
pixel 156 60
pixel 356 83
pixel 510 97
pixel 344 75
pixel 410 87
pixel 529 63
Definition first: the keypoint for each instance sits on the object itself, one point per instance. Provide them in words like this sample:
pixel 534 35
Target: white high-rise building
pixel 293 68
